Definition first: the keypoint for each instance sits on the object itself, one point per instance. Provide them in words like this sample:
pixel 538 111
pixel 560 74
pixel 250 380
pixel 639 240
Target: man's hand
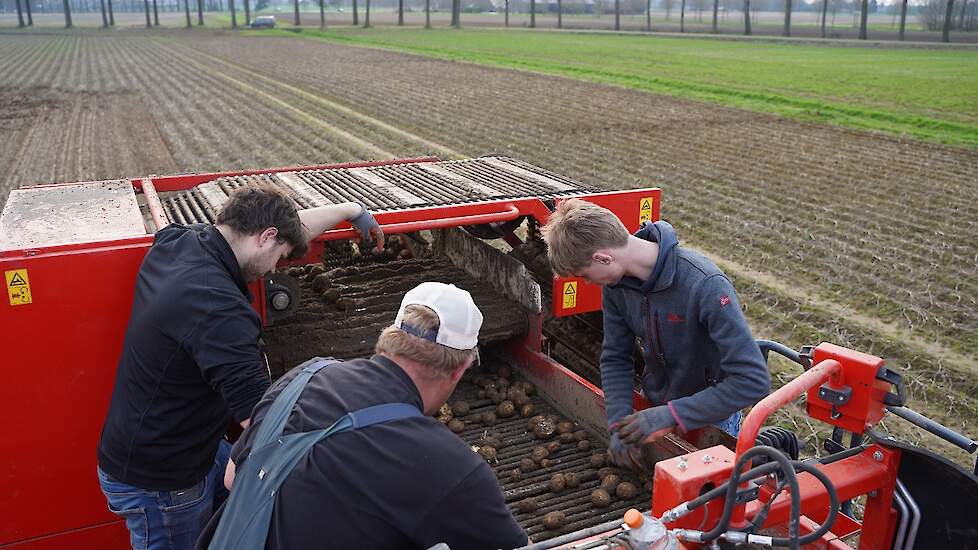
pixel 646 426
pixel 368 228
pixel 624 455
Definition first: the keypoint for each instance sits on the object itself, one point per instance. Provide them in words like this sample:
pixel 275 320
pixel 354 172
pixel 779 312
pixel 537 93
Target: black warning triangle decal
pixel 17 280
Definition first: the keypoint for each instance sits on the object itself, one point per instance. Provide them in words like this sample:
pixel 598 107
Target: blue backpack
pixel 247 514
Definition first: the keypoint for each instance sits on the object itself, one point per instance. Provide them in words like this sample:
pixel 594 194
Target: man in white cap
pixel 397 480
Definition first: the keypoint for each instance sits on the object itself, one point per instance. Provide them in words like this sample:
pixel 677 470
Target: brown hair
pixel 440 360
pixel 256 207
pixel 576 230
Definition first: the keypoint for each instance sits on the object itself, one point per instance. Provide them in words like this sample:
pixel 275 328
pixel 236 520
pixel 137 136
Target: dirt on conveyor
pixel 361 301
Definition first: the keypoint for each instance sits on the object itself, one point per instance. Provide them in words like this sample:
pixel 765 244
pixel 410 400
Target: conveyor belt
pixel 519 443
pixel 382 188
pixel 366 301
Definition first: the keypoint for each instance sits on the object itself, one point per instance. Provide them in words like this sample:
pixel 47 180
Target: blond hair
pixel 576 230
pixel 441 361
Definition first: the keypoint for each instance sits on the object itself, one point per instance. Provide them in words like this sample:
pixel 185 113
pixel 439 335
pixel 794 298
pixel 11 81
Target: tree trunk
pixel 648 15
pixel 617 15
pixel 186 7
pixel 67 9
pixel 560 14
pixel 533 14
pixel 400 13
pixel 787 18
pixel 105 16
pixel 297 20
pixel 964 7
pixel 234 14
pixel 457 13
pixel 20 14
pixel 507 13
pixel 30 16
pixel 149 23
pixel 825 9
pixel 863 19
pixel 716 9
pixel 747 17
pixel 200 12
pixel 247 7
pixel 427 13
pixel 682 16
pixel 356 16
pixel 322 14
pixel 366 16
pixel 903 18
pixel 156 14
pixel 948 16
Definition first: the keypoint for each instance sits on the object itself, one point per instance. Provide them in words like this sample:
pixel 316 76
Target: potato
pixel 456 425
pixel 626 490
pixel 584 445
pixel 565 427
pixel 460 408
pixel 506 409
pixel 598 460
pixel 600 498
pixel 571 480
pixel 528 505
pixel 526 410
pixel 557 483
pixel 610 482
pixel 554 520
pixel 539 453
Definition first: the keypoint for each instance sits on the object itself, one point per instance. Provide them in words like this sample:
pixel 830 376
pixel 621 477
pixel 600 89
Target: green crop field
pixel 925 93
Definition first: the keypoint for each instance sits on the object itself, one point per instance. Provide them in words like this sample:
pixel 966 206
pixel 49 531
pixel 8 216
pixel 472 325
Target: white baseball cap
pixel 459 319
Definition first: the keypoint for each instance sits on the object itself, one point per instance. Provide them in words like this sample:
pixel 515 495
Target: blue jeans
pixel 168 520
pixel 732 424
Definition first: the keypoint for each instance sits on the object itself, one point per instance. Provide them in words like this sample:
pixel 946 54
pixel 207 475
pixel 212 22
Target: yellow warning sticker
pixel 18 287
pixel 570 295
pixel 645 210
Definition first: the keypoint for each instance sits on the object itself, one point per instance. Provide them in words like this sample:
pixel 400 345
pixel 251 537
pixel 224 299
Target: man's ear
pixel 602 257
pixel 269 233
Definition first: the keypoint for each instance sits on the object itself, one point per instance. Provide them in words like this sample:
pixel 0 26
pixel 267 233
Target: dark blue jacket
pixel 700 357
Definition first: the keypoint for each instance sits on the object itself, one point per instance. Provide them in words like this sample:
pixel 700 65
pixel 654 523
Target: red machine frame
pixel 871 470
pixel 61 350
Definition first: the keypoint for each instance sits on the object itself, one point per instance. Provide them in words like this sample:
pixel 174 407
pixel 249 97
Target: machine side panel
pixel 59 359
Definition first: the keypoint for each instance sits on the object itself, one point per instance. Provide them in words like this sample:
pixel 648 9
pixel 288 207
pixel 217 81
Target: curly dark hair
pixel 256 207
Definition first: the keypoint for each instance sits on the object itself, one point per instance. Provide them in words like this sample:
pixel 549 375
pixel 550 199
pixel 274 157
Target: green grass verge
pixel 929 94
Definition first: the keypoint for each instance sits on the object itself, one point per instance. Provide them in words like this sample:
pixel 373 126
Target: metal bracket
pixel 835 397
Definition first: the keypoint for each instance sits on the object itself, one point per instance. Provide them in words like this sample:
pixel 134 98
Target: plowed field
pixel 830 234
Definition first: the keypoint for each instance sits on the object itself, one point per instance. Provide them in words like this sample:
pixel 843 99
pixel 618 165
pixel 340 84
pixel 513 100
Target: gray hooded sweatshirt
pixel 700 357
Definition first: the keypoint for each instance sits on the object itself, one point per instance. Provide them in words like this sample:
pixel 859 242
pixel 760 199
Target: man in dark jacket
pixel 192 360
pixel 702 365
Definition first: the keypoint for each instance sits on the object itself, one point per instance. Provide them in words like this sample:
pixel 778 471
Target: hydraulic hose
pixel 785 466
pixel 789 468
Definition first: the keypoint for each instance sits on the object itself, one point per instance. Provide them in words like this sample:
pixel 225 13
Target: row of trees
pixel 936 14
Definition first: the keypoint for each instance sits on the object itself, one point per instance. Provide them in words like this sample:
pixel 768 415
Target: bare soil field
pixel 830 234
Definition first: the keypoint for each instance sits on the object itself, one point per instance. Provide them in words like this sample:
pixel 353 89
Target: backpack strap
pixel 273 423
pixel 247 514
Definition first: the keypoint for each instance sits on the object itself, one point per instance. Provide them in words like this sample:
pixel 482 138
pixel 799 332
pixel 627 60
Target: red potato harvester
pixel 70 253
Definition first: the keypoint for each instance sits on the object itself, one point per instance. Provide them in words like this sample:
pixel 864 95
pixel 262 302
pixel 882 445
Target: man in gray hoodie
pixel 702 365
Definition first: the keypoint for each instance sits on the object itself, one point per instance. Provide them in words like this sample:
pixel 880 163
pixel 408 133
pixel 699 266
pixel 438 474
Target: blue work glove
pixel 653 422
pixel 368 228
pixel 624 455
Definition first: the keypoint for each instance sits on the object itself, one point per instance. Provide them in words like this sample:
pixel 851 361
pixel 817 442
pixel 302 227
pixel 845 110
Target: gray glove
pixel 635 428
pixel 368 227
